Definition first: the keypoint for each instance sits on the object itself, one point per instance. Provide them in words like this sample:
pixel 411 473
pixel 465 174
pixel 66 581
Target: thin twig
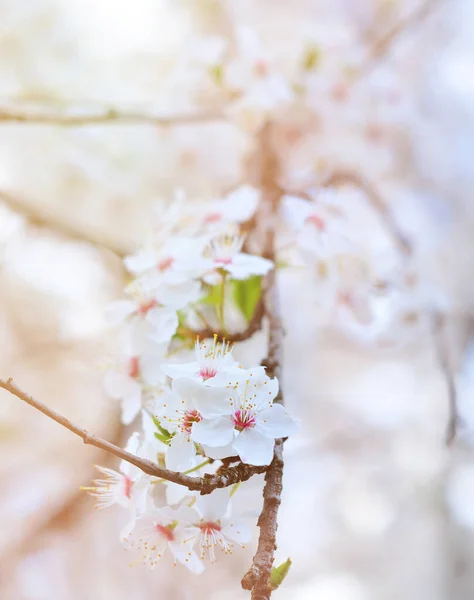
pixel 442 352
pixel 382 47
pixel 204 485
pixel 257 578
pixel 106 116
pixel 40 218
pixel 340 177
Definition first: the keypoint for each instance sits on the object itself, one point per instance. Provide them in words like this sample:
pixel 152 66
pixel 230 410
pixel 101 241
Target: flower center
pixel 223 248
pixel 209 526
pixel 165 264
pixel 213 218
pixel 244 419
pixel 127 484
pixel 316 221
pixel 166 532
pixel 207 372
pixel 145 307
pixel 191 417
pixel 134 367
pixel 261 68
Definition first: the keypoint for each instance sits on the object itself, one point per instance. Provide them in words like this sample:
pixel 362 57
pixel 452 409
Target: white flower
pixel 128 488
pixel 214 526
pixel 138 369
pixel 243 418
pixel 214 364
pixel 253 74
pixel 180 416
pixel 155 309
pixel 225 255
pixel 177 262
pixel 237 207
pixel 159 530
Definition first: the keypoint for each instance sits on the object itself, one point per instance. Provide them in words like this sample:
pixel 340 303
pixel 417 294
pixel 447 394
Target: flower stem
pixel 221 304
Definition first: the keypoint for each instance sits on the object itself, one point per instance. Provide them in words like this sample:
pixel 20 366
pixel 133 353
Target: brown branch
pixel 107 116
pixel 257 578
pixel 204 485
pixel 39 218
pixel 442 352
pixel 382 47
pixel 355 179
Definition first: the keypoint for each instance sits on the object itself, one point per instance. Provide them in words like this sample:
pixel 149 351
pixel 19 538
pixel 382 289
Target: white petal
pixel 238 531
pixel 131 403
pixel 276 421
pixel 141 261
pixel 181 453
pixel 254 448
pixel 219 452
pixel 118 311
pixel 181 370
pixel 240 205
pixel 150 369
pixel 186 557
pixel 213 506
pixel 164 322
pixel 245 265
pixel 213 432
pixel 210 402
pixel 175 493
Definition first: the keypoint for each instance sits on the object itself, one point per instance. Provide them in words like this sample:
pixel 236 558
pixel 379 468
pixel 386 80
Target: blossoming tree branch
pixel 206 416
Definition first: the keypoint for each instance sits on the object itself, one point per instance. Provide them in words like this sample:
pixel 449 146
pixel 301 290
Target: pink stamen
pixel 127 482
pixel 209 526
pixel 165 532
pixel 145 308
pixel 261 68
pixel 191 417
pixel 213 218
pixel 164 264
pixel 339 92
pixel 207 372
pixel 223 261
pixel 317 221
pixel 244 419
pixel 134 367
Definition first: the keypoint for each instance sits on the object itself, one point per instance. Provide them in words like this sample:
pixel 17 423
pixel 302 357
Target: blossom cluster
pixel 194 413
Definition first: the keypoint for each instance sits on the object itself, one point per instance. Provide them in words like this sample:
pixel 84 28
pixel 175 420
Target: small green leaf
pixel 164 435
pixel 162 438
pixel 312 58
pixel 213 296
pixel 278 574
pixel 246 295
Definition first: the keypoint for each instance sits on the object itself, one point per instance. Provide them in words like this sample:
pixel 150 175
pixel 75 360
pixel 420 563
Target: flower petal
pixel 245 265
pixel 238 531
pixel 118 311
pixel 181 453
pixel 181 370
pixel 276 421
pixel 219 452
pixel 210 402
pixel 254 447
pixel 213 506
pixel 213 432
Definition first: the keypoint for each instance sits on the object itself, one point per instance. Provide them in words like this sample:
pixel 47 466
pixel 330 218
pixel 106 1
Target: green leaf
pixel 213 296
pixel 164 435
pixel 278 574
pixel 247 294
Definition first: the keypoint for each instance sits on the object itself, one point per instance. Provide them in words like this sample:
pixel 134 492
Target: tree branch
pixel 381 48
pixel 106 116
pixel 40 219
pixel 257 578
pixel 204 485
pixel 442 352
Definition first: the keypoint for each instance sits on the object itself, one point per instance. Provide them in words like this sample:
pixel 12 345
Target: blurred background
pixel 376 505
